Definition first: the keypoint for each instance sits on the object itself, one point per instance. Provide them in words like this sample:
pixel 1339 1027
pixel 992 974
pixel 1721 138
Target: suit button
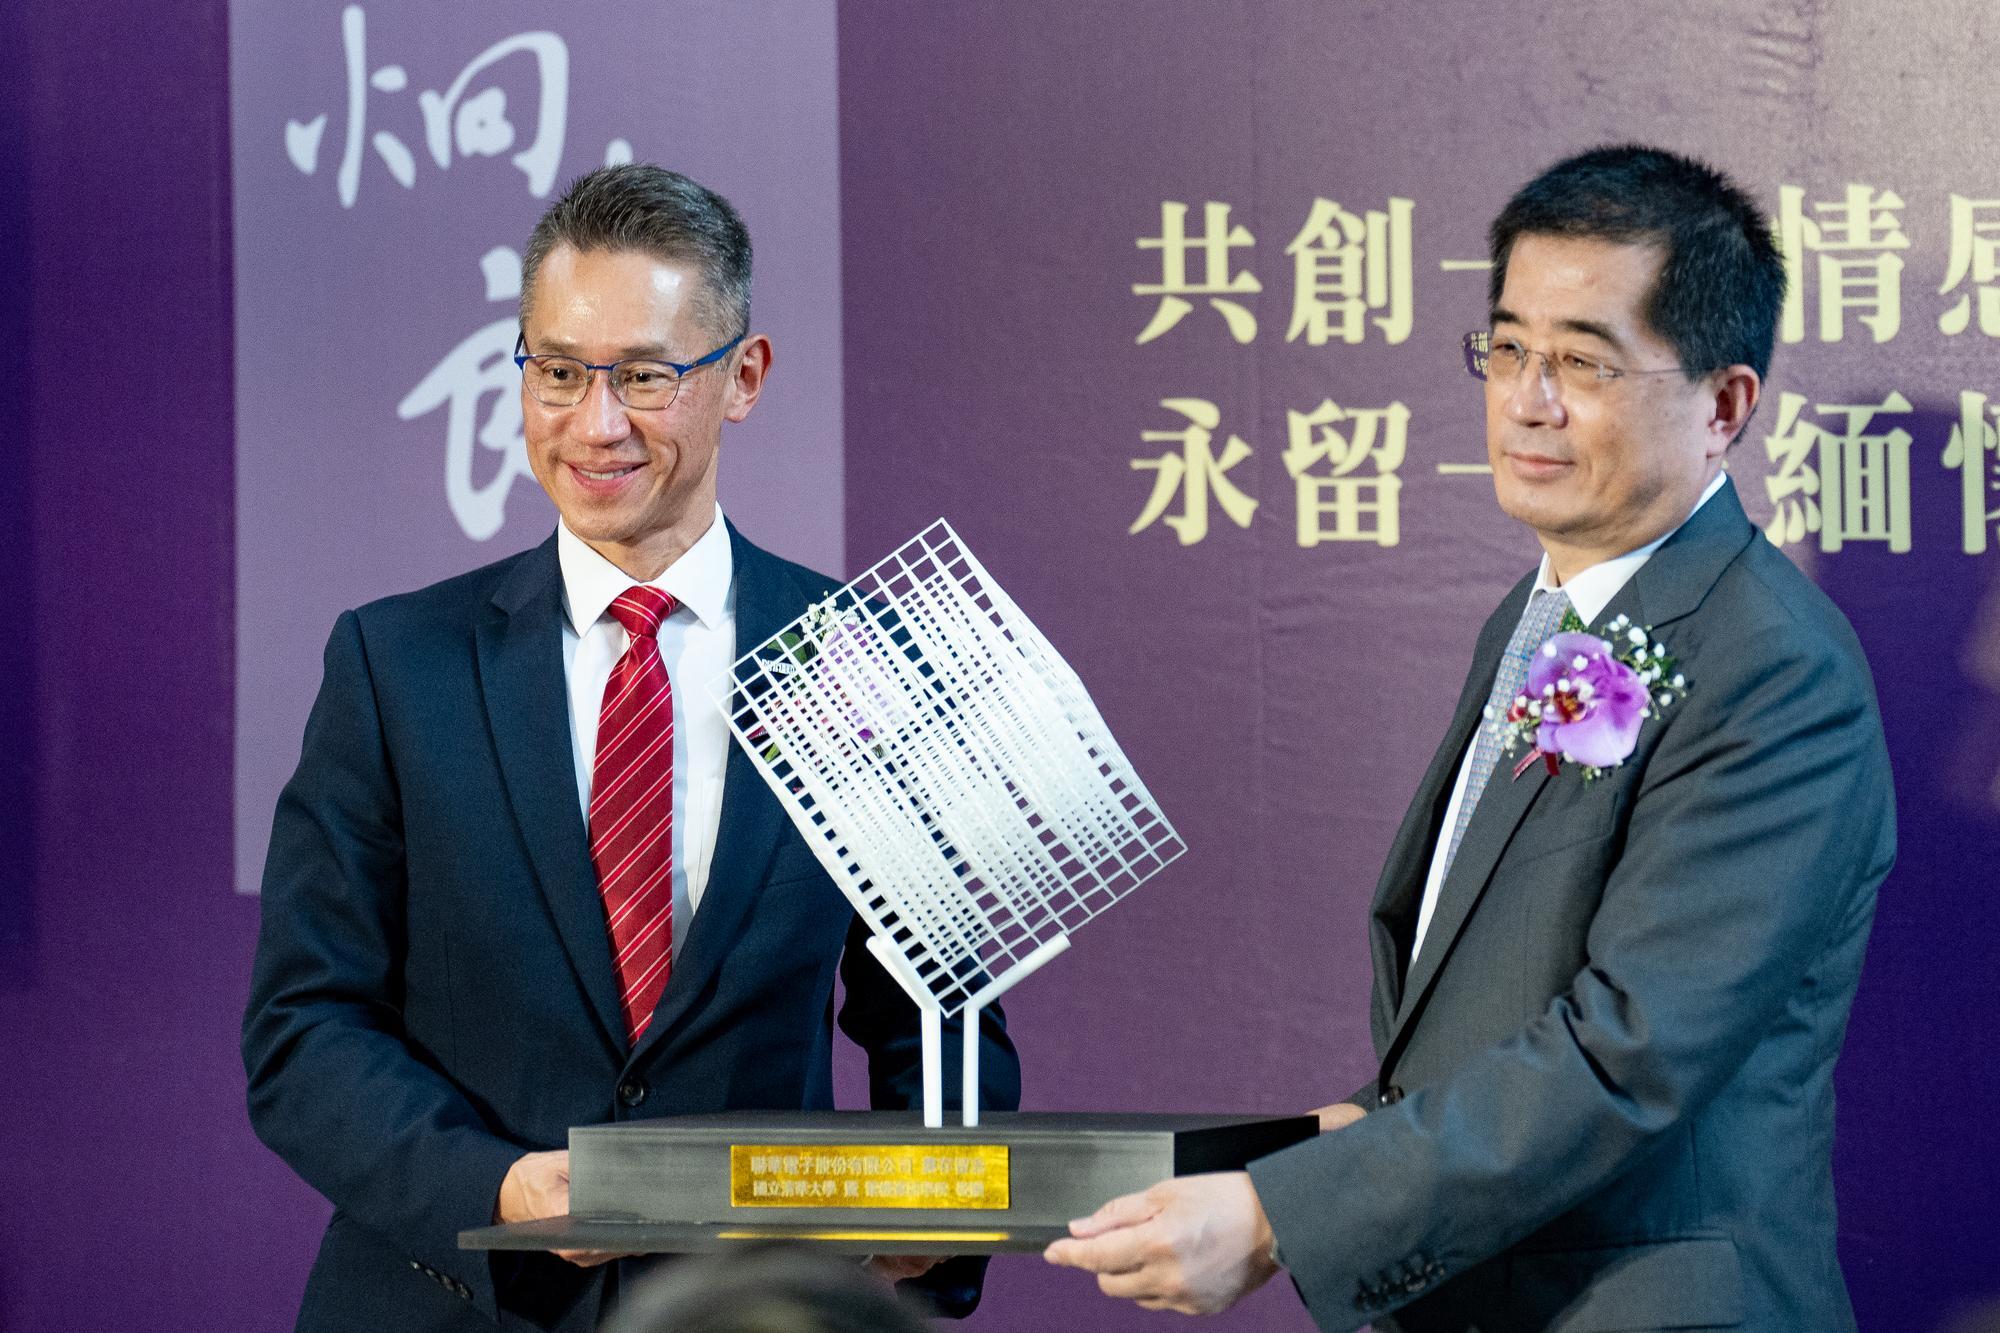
pixel 631 1091
pixel 1390 1095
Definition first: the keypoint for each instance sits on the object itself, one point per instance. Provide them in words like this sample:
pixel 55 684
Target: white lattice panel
pixel 946 766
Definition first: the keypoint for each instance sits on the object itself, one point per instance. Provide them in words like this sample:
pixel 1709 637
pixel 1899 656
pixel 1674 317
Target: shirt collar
pixel 699 580
pixel 1592 590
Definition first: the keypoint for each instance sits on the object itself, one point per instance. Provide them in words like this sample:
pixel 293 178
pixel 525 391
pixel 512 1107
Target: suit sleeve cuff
pixel 478 1273
pixel 1297 1209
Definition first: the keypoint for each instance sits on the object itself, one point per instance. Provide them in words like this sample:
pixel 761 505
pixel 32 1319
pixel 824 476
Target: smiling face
pixel 638 486
pixel 1601 471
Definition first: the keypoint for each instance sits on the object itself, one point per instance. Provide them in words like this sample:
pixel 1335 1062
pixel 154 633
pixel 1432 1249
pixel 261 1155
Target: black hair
pixel 1721 280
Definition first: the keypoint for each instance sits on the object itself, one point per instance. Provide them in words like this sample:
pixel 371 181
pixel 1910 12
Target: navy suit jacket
pixel 433 993
pixel 1605 1093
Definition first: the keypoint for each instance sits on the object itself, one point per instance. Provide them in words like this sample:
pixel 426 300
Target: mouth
pixel 1534 467
pixel 601 481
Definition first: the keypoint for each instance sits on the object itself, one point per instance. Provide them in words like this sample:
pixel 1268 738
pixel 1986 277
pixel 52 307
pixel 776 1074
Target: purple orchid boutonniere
pixel 1586 697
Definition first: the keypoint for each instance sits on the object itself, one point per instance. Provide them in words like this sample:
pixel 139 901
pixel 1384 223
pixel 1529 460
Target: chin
pixel 595 528
pixel 1520 497
pixel 1514 501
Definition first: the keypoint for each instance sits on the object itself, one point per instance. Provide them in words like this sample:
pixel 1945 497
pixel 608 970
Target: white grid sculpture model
pixel 949 771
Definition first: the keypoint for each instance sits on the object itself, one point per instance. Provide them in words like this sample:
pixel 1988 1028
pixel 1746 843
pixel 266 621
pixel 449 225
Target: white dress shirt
pixel 1589 593
pixel 697 643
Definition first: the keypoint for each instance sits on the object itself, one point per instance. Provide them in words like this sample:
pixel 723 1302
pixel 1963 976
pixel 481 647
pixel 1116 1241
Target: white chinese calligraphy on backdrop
pixel 388 163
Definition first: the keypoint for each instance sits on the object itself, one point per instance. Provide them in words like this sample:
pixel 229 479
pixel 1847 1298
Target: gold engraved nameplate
pixel 868 1175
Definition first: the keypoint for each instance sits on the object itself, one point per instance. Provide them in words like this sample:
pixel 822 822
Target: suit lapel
pixel 1669 586
pixel 751 820
pixel 1399 892
pixel 521 678
pixel 1502 806
pixel 1674 582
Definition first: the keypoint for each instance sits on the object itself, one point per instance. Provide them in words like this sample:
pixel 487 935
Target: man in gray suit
pixel 1606 1011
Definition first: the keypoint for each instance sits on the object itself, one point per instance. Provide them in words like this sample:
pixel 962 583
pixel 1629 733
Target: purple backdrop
pixel 1003 170
pixel 389 161
pixel 122 1093
pixel 17 703
pixel 998 167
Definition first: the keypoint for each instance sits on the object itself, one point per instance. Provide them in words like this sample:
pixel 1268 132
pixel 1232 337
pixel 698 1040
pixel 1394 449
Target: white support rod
pixel 968 1097
pixel 968 1102
pixel 931 1015
pixel 933 1024
pixel 1018 973
pixel 892 960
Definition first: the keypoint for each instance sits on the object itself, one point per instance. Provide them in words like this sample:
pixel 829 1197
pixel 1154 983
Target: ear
pixel 746 382
pixel 1734 391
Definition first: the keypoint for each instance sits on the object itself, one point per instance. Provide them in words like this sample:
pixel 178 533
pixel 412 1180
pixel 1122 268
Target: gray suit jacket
pixel 1605 1097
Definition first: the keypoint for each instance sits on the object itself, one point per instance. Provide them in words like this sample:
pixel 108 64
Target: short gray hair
pixel 656 212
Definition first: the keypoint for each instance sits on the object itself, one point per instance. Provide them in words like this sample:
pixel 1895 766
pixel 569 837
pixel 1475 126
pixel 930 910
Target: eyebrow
pixel 1590 328
pixel 631 352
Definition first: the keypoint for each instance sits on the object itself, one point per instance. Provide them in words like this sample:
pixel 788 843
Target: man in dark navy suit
pixel 521 880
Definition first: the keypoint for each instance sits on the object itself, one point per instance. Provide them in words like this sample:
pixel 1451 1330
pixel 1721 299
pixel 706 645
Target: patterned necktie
pixel 632 808
pixel 1540 620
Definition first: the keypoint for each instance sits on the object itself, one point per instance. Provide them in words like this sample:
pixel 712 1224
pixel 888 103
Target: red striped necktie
pixel 632 808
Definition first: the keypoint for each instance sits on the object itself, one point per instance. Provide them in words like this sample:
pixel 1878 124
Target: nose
pixel 600 418
pixel 1535 397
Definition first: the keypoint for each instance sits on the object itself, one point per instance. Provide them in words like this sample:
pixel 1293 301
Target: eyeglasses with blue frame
pixel 644 383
